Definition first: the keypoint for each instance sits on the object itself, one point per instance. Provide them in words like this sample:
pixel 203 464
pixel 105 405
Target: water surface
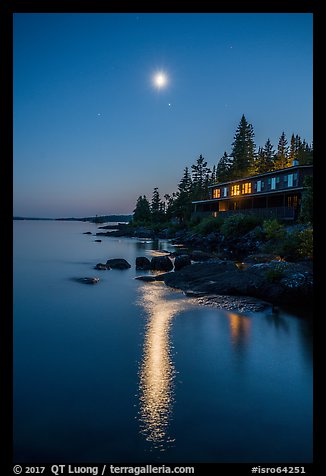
pixel 128 371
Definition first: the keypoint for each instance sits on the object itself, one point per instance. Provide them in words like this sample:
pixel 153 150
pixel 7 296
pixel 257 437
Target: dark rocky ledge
pixel 276 282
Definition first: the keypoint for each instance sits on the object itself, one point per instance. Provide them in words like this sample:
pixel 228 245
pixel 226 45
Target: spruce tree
pixel 306 157
pixel 200 174
pixel 292 150
pixel 213 175
pixel 282 155
pixel 142 210
pixel 182 204
pixel 243 150
pixel 157 212
pixel 265 158
pixel 224 168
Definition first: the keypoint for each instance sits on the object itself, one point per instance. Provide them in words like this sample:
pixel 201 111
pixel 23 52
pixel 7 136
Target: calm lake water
pixel 127 371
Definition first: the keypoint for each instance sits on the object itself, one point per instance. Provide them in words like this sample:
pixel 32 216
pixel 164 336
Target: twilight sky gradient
pixel 91 131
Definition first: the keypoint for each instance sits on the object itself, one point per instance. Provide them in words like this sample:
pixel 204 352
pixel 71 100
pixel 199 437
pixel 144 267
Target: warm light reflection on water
pixel 157 368
pixel 239 328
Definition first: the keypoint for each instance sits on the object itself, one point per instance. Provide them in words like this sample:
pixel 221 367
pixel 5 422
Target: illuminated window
pixel 273 184
pixel 246 187
pixel 216 193
pixel 235 190
pixel 292 201
pixel 259 185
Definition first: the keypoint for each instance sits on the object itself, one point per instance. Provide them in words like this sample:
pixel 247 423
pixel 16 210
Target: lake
pixel 126 371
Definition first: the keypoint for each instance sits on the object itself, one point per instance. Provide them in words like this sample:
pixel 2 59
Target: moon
pixel 160 80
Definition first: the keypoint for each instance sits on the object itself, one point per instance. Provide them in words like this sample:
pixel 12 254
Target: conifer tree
pixel 157 208
pixel 213 175
pixel 265 158
pixel 306 156
pixel 142 210
pixel 292 150
pixel 224 168
pixel 169 205
pixel 200 174
pixel 282 155
pixel 243 150
pixel 182 204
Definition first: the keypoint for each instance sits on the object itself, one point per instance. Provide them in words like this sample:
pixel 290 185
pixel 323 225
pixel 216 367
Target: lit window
pixel 273 184
pixel 246 187
pixel 216 193
pixel 235 190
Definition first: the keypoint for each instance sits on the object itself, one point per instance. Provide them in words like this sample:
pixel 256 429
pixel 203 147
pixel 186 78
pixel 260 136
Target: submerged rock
pixel 147 278
pixel 87 280
pixel 152 277
pixel 101 266
pixel 233 303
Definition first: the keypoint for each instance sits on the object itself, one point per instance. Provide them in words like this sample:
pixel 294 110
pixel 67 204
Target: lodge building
pixel 274 194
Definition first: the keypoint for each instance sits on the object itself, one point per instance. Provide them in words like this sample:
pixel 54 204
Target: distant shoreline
pixel 96 219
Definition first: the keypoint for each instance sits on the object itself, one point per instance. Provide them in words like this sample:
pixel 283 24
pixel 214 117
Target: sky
pixel 93 128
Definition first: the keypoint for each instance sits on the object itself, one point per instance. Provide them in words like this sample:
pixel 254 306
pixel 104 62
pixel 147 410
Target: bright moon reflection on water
pixel 157 369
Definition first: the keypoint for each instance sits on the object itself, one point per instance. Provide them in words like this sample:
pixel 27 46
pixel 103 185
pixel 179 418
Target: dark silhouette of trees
pixel 265 158
pixel 200 179
pixel 142 210
pixel 282 156
pixel 243 150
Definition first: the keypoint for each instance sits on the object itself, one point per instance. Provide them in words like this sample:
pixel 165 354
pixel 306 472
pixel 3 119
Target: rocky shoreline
pixel 219 278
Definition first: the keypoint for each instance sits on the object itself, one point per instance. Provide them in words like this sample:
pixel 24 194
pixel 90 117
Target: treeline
pixel 244 160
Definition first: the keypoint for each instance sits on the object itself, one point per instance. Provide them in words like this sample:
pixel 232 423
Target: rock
pixel 101 266
pixel 239 304
pixel 152 277
pixel 87 280
pixel 143 232
pixel 275 282
pixel 103 233
pixel 161 263
pixel 143 263
pixel 118 263
pixel 87 233
pixel 198 255
pixel 146 278
pixel 261 258
pixel 98 241
pixel 181 261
